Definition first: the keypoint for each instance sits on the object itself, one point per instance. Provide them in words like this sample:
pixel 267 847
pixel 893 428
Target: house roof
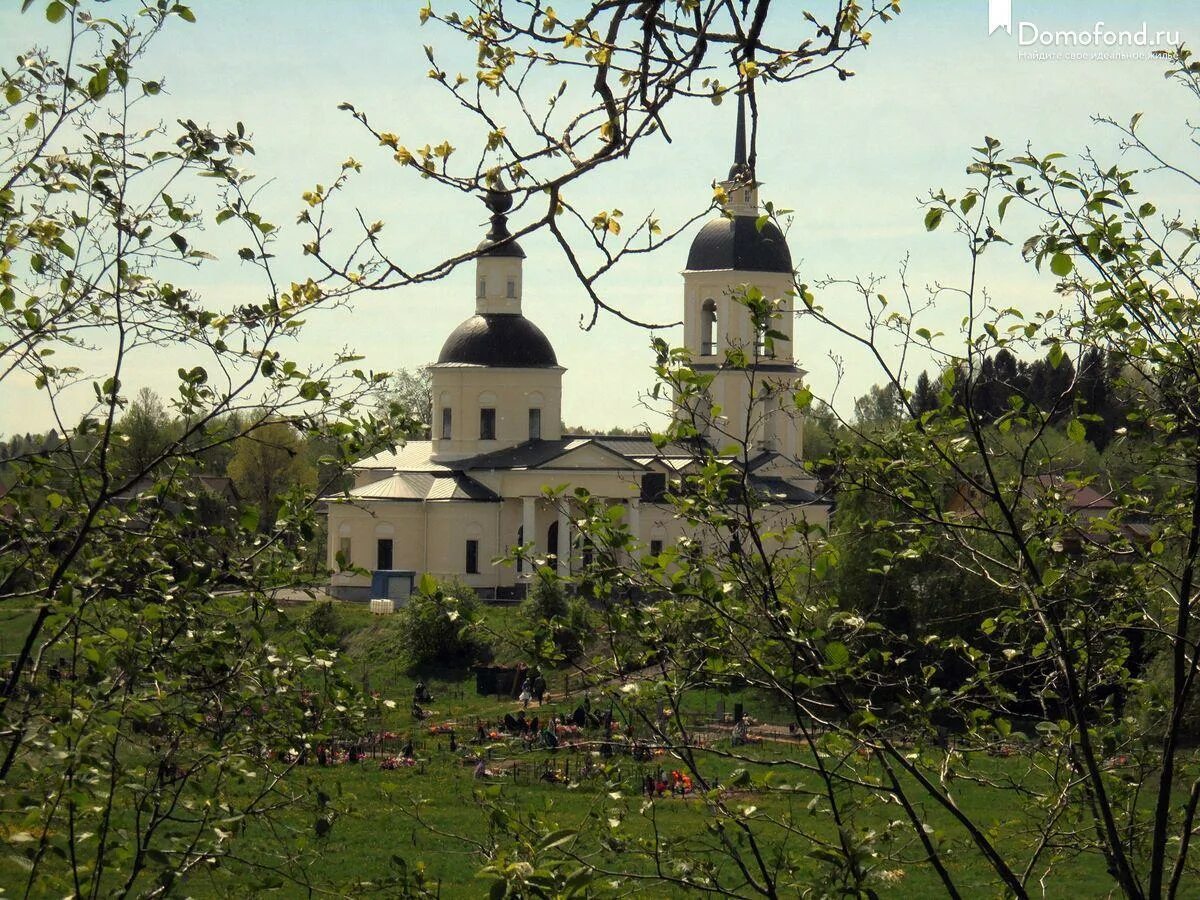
pixel 779 490
pixel 414 456
pixel 415 477
pixel 218 485
pixel 1077 497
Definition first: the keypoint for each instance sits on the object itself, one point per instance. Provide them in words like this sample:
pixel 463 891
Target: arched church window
pixel 708 328
pixel 447 423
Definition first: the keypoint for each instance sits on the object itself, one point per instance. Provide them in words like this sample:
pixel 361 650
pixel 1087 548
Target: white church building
pixel 454 504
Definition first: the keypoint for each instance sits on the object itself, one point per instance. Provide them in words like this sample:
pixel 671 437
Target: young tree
pixel 145 432
pixel 410 390
pixel 144 685
pixel 268 462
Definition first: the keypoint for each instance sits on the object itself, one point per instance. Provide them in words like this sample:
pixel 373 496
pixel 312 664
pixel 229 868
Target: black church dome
pixel 738 243
pixel 495 339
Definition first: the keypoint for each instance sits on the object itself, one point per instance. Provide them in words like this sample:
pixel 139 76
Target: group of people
pixel 534 688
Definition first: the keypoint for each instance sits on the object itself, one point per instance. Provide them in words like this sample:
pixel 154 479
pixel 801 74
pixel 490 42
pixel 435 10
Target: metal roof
pixel 499 339
pixel 779 490
pixel 417 486
pixel 412 457
pixel 739 244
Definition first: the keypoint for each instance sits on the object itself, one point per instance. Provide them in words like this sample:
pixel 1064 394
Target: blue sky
pixel 851 158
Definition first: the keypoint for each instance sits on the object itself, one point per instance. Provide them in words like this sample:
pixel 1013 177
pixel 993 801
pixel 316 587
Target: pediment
pixel 591 456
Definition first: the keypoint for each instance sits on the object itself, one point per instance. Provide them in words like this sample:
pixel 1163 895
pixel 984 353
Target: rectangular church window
pixel 487 424
pixel 383 555
pixel 446 423
pixel 535 424
pixel 472 557
pixel 654 487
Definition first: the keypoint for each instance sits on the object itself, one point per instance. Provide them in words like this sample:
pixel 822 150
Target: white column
pixel 633 518
pixel 633 513
pixel 529 528
pixel 564 542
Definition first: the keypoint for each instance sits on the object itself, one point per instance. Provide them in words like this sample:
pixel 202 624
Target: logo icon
pixel 999 16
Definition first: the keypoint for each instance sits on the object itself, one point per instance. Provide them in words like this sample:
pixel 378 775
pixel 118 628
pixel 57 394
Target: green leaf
pixel 249 518
pixel 1061 265
pixel 1004 206
pixel 738 778
pixel 555 838
pixel 185 13
pixel 97 85
pixel 12 94
pixel 837 654
pixel 1076 431
pixel 933 218
pixel 56 11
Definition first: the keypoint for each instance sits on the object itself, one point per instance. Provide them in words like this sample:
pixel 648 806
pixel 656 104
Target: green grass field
pixel 378 822
pixel 435 815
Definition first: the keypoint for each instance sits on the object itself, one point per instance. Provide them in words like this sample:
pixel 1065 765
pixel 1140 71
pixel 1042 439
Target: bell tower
pixel 753 379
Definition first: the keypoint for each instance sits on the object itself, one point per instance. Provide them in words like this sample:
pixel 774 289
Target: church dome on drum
pixel 499 339
pixel 738 243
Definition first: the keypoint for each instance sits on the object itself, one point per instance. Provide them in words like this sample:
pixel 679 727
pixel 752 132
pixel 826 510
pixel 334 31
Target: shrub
pixel 556 624
pixel 326 623
pixel 437 625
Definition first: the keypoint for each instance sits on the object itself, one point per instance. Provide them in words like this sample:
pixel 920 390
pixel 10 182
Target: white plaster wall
pixel 733 319
pixel 514 392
